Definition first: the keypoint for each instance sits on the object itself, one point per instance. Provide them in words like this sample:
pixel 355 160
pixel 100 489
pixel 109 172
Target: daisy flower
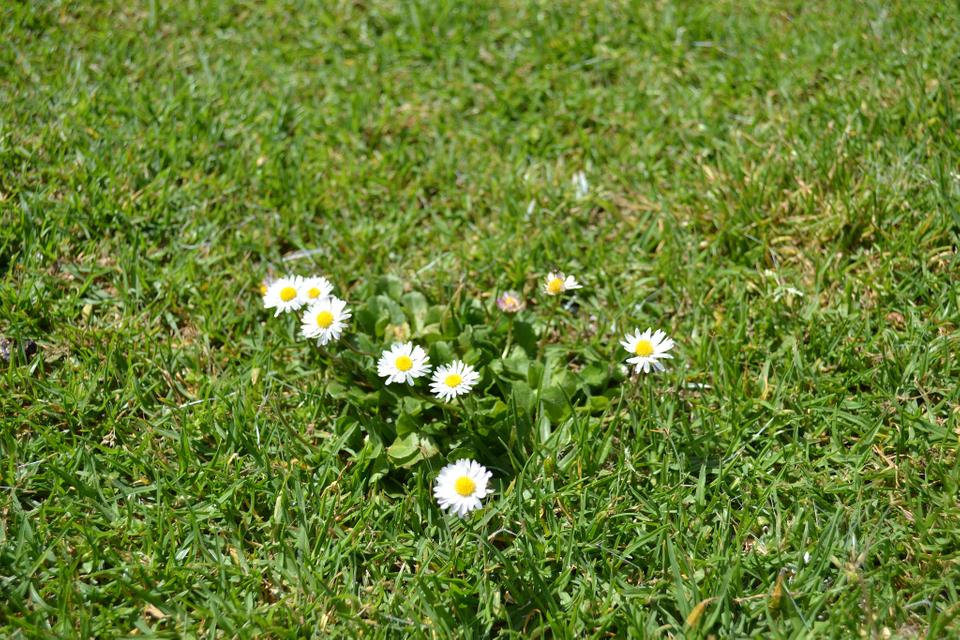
pixel 325 320
pixel 403 362
pixel 282 295
pixel 557 283
pixel 454 379
pixel 461 485
pixel 314 288
pixel 510 302
pixel 648 348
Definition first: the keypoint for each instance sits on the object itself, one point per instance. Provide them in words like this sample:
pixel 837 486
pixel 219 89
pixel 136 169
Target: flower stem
pixel 546 330
pixel 506 349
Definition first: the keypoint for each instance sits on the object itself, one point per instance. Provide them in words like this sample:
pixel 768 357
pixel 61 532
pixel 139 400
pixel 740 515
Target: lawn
pixel 775 184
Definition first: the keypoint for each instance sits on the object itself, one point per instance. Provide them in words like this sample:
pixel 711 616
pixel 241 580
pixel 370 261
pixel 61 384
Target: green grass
pixel 777 184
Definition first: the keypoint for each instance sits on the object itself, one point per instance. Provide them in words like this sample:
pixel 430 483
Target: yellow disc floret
pixel 404 363
pixel 555 286
pixel 287 294
pixel 453 380
pixel 643 348
pixel 465 486
pixel 313 292
pixel 324 319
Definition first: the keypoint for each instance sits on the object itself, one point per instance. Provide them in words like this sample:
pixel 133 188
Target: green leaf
pixel 428 448
pixel 441 352
pixel 431 333
pixel 372 449
pixel 474 314
pixel 392 309
pixel 366 316
pixel 597 404
pixel 416 305
pixel 596 375
pixel 435 314
pixel 535 374
pixel 450 326
pixel 555 403
pixel 390 285
pixel 517 363
pixel 523 396
pixel 487 405
pixel 525 336
pixel 406 424
pixel 404 448
pixel 413 406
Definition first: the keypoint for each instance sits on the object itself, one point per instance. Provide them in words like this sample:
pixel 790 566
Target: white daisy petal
pixel 556 283
pixel 325 320
pixel 403 363
pixel 460 487
pixel 452 380
pixel 313 289
pixel 282 295
pixel 647 349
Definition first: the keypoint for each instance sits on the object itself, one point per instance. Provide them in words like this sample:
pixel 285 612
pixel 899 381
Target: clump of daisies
pixel 325 316
pixel 460 486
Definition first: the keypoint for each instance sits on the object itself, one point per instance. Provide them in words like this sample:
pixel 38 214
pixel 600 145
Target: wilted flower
pixel 510 302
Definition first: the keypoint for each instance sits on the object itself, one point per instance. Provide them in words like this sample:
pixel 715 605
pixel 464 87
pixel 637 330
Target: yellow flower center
pixel 510 301
pixel 643 348
pixel 263 289
pixel 555 286
pixel 465 486
pixel 453 380
pixel 404 363
pixel 287 294
pixel 313 292
pixel 324 319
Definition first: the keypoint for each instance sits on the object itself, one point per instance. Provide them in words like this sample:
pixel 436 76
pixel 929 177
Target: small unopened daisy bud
pixel 510 302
